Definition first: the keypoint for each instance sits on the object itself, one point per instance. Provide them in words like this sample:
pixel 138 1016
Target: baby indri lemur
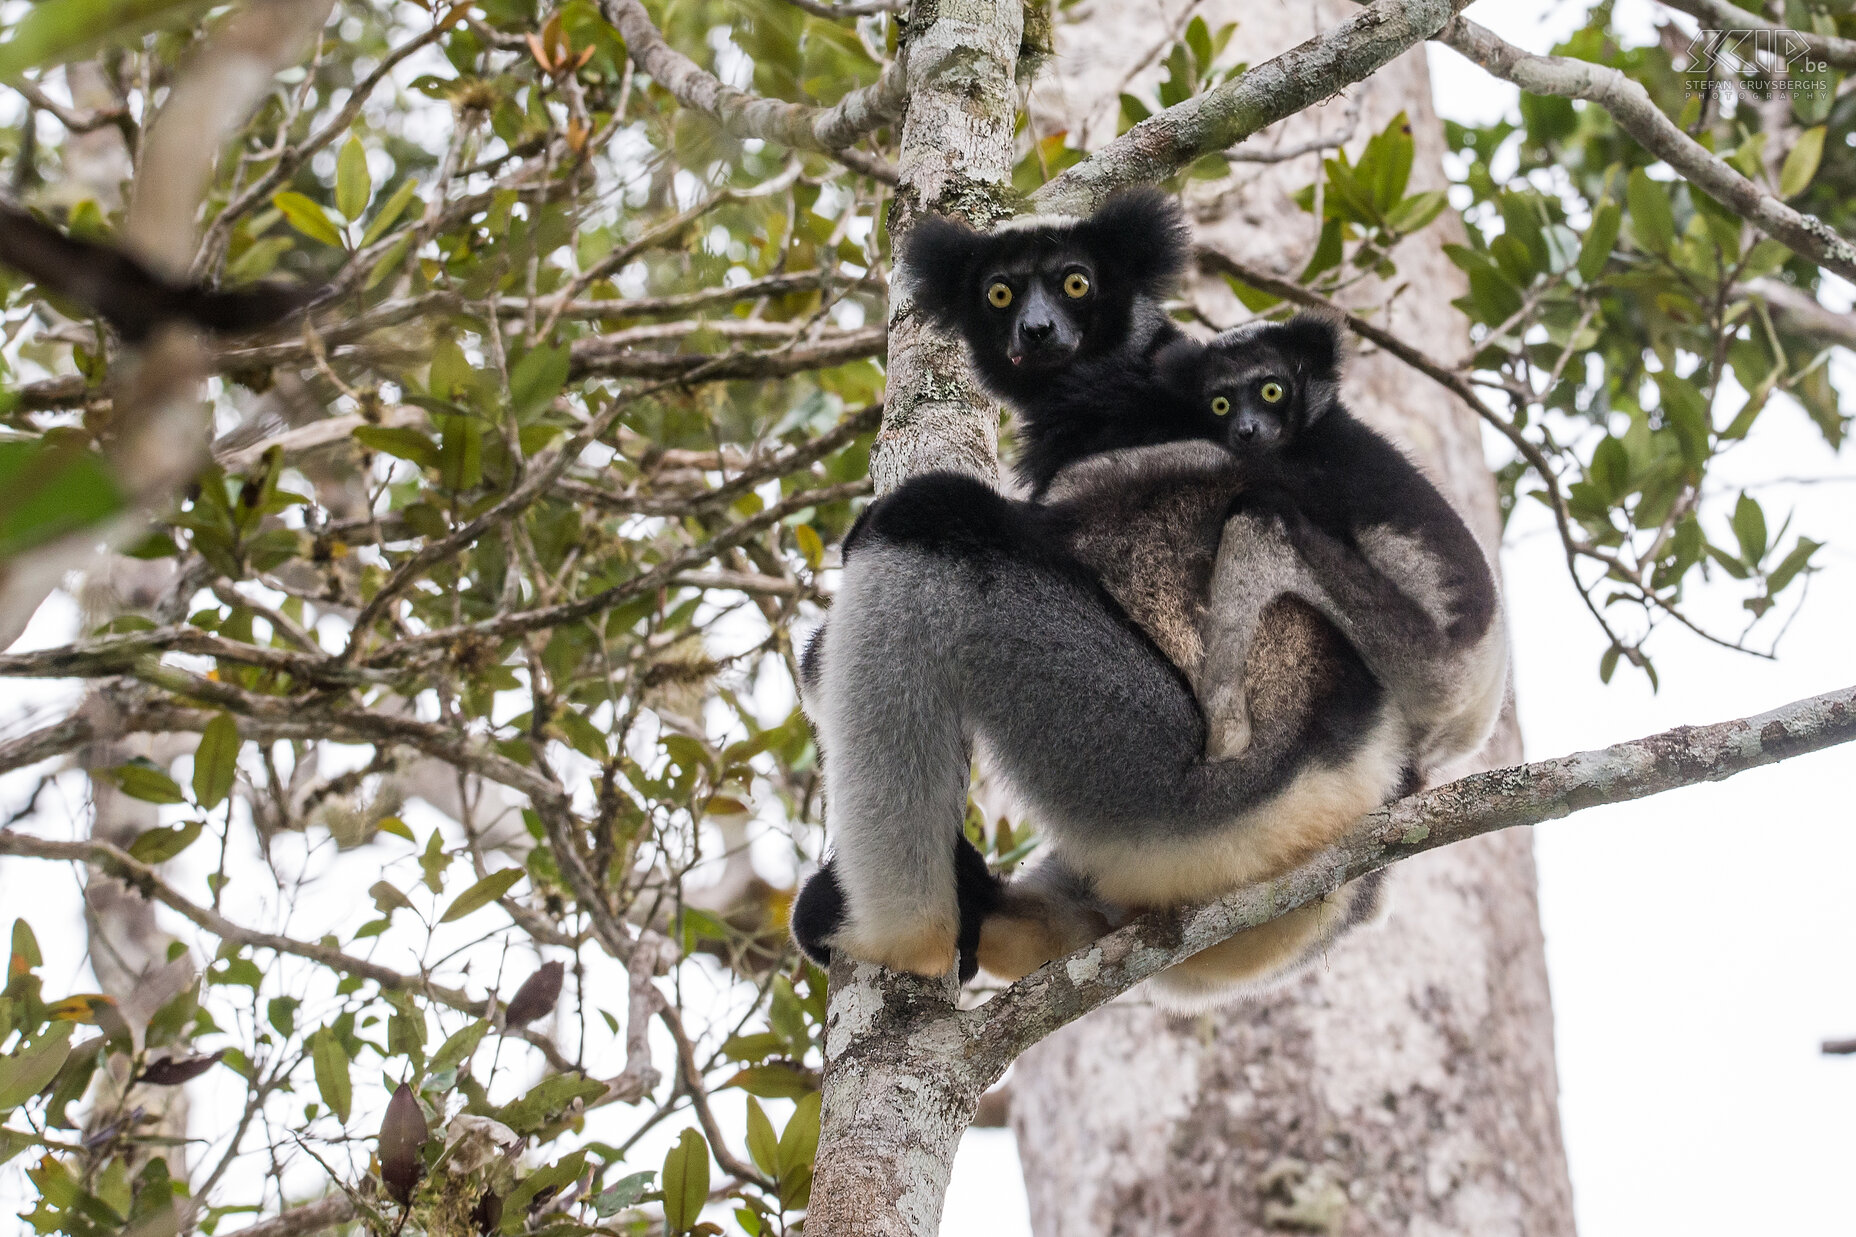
pixel 1037 630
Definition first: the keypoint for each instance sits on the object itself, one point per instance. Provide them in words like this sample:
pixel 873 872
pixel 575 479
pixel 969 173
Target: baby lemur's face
pixel 1254 395
pixel 1262 385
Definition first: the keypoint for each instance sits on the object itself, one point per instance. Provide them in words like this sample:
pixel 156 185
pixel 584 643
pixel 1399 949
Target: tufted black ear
pixel 938 256
pixel 1315 340
pixel 1141 235
pixel 1180 367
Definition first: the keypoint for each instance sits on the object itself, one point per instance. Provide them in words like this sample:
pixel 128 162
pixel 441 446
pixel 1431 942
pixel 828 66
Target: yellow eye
pixel 999 296
pixel 1271 392
pixel 1076 284
pixel 1221 405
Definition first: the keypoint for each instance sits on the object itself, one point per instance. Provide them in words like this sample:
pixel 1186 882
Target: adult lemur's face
pixel 1040 302
pixel 1040 293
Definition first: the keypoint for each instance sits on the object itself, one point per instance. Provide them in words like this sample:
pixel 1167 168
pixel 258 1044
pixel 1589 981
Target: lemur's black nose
pixel 1037 330
pixel 1246 429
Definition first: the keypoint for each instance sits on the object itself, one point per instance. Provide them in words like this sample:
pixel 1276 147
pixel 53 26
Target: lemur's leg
pixel 895 764
pixel 1423 612
pixel 818 911
pixel 1045 912
pixel 1255 565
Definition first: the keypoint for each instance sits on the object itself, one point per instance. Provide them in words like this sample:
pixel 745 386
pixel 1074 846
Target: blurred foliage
pixel 480 774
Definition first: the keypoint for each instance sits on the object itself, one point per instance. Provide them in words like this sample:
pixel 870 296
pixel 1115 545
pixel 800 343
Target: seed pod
pixel 402 1132
pixel 536 996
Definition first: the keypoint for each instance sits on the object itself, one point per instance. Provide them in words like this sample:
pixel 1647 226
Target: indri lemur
pixel 968 617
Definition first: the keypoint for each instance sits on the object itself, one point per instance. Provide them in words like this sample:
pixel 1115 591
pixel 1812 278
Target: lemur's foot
pixel 1227 734
pixel 928 946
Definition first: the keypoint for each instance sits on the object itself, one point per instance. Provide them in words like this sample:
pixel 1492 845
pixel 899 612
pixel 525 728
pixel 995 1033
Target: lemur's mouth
pixel 1040 355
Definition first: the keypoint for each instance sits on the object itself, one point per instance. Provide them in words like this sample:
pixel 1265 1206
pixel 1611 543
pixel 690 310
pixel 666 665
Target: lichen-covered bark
pixel 895 1106
pixel 1407 1085
pixel 956 159
pixel 898 1095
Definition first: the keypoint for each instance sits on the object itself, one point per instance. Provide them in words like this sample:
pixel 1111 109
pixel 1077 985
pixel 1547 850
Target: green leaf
pixel 1801 162
pixel 763 1144
pixel 29 1071
pixel 307 216
pixel 1610 469
pixel 1417 210
pixel 1599 238
pixel 481 894
pixel 280 1012
pixel 1327 252
pixel 1254 299
pixel 401 442
pixel 353 186
pixel 622 1194
pixel 535 380
pixel 775 1080
pixel 553 1177
pixel 547 1099
pixel 1650 216
pixel 139 779
pixel 756 1047
pixel 458 1048
pixel 460 452
pixel 215 761
pixel 389 262
pixel 1791 565
pixel 799 1140
pixel 1608 664
pixel 162 843
pixel 12 1142
pixel 810 545
pixel 686 1182
pixel 390 211
pixel 48 489
pixel 332 1080
pixel 433 861
pixel 1750 529
pixel 54 32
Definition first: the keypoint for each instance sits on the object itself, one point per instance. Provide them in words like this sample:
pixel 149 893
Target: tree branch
pixel 1166 142
pixel 1527 794
pixel 301 1221
pixel 826 129
pixel 1637 114
pixel 649 581
pixel 602 357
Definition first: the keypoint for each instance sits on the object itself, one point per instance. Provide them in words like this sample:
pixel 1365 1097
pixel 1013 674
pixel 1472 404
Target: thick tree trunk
pixel 896 1103
pixel 1408 1085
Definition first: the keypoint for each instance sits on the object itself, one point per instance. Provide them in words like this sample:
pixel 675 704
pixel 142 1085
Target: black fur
pixel 1072 385
pixel 1307 458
